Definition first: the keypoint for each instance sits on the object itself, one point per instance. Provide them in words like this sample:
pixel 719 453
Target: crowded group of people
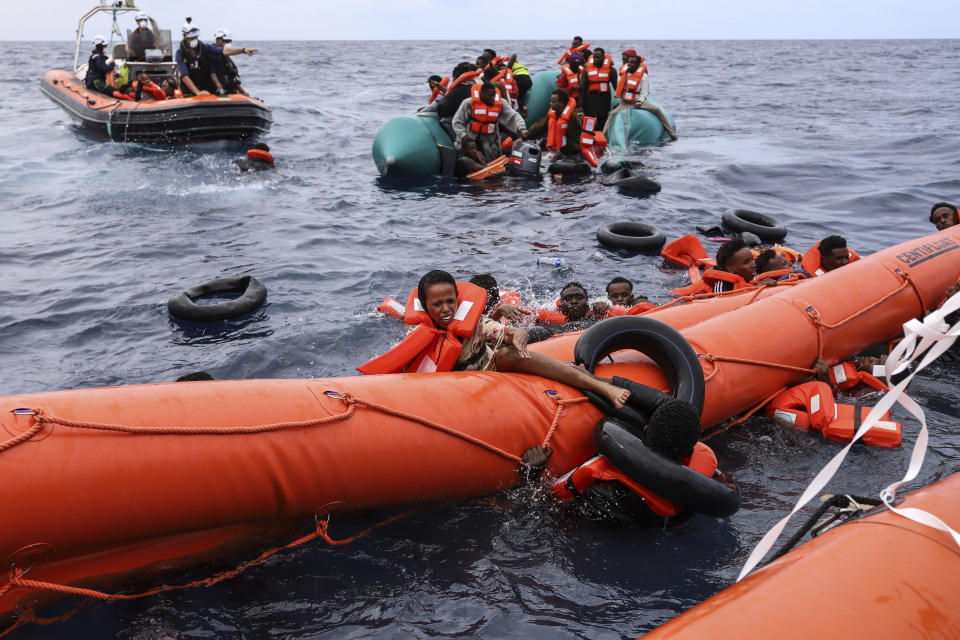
pixel 201 68
pixel 481 105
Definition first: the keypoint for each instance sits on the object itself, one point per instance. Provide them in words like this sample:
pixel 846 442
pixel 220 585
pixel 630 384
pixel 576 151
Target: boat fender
pixel 634 236
pixel 183 306
pixel 660 342
pixel 765 227
pixel 674 482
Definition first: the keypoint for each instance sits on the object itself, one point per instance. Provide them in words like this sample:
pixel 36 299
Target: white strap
pixel 935 338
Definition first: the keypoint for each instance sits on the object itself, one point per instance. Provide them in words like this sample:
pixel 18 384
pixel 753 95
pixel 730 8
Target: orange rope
pixel 760 363
pixel 23 437
pixel 556 417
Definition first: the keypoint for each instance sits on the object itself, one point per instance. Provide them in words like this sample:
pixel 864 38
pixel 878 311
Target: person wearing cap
pixel 625 56
pixel 224 73
pixel 140 39
pixel 192 64
pixel 478 124
pixel 98 67
pixel 569 78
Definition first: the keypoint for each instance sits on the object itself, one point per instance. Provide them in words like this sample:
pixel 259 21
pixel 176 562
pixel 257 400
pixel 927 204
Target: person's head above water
pixel 944 215
pixel 673 430
pixel 488 282
pixel 558 100
pixel 437 291
pixel 833 253
pixel 620 291
pixel 573 301
pixel 735 257
pixel 770 260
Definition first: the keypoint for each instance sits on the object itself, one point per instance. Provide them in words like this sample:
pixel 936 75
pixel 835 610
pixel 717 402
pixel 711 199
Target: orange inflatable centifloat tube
pixel 94 471
pixel 880 576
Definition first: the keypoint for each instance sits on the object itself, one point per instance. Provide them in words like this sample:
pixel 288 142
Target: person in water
pixel 224 73
pixel 98 67
pixel 478 124
pixel 258 158
pixel 562 129
pixel 734 257
pixel 496 347
pixel 944 215
pixel 140 39
pixel 620 291
pixel 496 309
pixel 833 253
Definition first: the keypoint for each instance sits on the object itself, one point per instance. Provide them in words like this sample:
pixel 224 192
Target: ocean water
pixel 850 137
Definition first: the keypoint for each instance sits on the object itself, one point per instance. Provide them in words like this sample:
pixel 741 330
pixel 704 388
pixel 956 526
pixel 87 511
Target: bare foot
pixel 617 395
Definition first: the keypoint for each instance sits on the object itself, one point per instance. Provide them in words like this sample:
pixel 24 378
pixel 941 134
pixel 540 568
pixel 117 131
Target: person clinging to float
pixel 140 39
pixel 620 292
pixel 560 129
pixel 828 254
pixel 451 334
pixel 98 66
pixel 943 215
pixel 735 268
pixel 479 123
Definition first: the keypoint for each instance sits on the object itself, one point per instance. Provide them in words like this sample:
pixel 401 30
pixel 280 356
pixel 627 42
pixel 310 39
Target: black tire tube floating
pixel 675 482
pixel 765 227
pixel 635 236
pixel 658 341
pixel 183 306
pixel 570 168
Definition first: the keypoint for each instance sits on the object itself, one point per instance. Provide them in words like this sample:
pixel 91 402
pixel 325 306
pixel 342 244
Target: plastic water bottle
pixel 556 262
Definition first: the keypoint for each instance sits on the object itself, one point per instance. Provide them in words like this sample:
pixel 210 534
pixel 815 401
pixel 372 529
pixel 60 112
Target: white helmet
pixel 222 33
pixel 99 40
pixel 142 16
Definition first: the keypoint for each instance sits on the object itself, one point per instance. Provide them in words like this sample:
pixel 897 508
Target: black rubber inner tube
pixel 183 306
pixel 635 236
pixel 570 168
pixel 675 482
pixel 638 185
pixel 660 342
pixel 765 227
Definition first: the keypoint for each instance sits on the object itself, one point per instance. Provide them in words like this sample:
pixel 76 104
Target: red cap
pixel 630 52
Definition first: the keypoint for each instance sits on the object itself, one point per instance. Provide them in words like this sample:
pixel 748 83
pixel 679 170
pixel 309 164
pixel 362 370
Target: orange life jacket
pixel 260 154
pixel 846 376
pixel 623 68
pixel 553 317
pixel 391 307
pixel 615 310
pixel 568 486
pixel 437 88
pixel 573 81
pixel 629 86
pixel 811 260
pixel 713 276
pixel 592 142
pixel 811 405
pixel 791 255
pixel 177 92
pixel 484 117
pixel 507 76
pixel 427 349
pixel 557 126
pixel 123 96
pixel 466 76
pixel 598 78
pixel 509 297
pixel 572 50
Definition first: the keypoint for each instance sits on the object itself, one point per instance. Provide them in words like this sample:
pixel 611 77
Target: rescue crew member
pixel 595 87
pixel 496 347
pixel 224 73
pixel 98 67
pixel 569 78
pixel 192 63
pixel 140 39
pixel 561 126
pixel 258 158
pixel 944 215
pixel 478 122
pixel 633 87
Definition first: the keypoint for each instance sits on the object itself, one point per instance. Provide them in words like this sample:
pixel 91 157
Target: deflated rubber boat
pixel 413 146
pixel 114 488
pixel 170 121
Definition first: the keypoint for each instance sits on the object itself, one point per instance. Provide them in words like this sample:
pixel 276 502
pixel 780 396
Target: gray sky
pixel 535 20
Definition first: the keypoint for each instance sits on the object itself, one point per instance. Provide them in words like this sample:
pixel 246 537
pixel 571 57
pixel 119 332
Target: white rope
pixel 935 337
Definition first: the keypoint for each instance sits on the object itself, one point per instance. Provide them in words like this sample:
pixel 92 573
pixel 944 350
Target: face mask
pixel 142 24
pixel 193 43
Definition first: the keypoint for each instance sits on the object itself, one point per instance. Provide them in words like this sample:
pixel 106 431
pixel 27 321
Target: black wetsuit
pixel 97 70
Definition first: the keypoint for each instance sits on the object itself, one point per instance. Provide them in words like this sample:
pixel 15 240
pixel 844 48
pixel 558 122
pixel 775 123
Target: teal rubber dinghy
pixel 409 146
pixel 637 127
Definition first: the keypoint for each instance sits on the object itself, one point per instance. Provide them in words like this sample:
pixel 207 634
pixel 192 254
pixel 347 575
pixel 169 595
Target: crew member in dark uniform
pixel 193 64
pixel 98 68
pixel 140 39
pixel 226 74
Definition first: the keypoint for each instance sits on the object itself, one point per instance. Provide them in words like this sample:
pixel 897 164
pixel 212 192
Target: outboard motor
pixel 524 161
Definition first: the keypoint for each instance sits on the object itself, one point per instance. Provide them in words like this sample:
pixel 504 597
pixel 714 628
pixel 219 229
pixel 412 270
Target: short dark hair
pixel 673 430
pixel 574 283
pixel 262 146
pixel 196 376
pixel 489 73
pixel 488 282
pixel 489 54
pixel 765 256
pixel 956 216
pixel 828 244
pixel 727 251
pixel 431 278
pixel 619 280
pixel 434 78
pixel 578 38
pixel 462 68
pixel 600 49
pixel 564 96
